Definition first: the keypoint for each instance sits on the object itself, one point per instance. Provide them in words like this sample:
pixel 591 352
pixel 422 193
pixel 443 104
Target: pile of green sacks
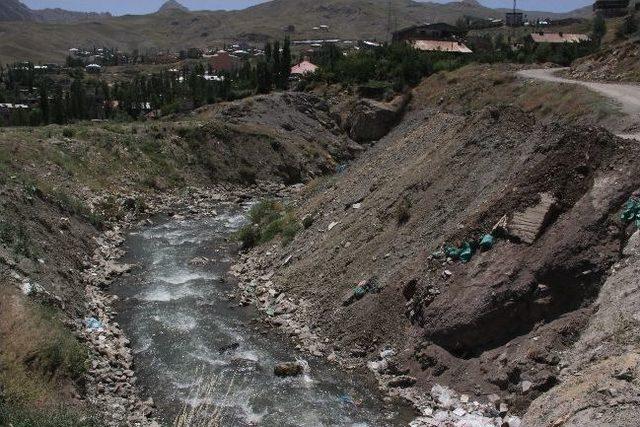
pixel 631 211
pixel 467 250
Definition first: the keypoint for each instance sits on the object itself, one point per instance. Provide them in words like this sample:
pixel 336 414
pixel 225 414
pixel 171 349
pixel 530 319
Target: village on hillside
pixel 102 83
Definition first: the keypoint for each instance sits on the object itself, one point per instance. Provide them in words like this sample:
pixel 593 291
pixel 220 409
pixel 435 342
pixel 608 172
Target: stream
pixel 203 359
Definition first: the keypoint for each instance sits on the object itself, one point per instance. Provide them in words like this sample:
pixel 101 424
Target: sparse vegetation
pixel 268 220
pixel 403 211
pixel 38 355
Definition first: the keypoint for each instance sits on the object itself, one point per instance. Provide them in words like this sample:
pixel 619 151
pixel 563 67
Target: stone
pixel 527 225
pixel 288 369
pixel 526 386
pixel 402 381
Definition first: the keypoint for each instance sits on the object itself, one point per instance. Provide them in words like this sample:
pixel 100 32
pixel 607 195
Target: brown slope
pixel 14 10
pixel 482 327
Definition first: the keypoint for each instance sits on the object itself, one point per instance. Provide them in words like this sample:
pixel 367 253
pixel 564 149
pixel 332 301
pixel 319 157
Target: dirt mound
pixel 495 323
pixel 620 62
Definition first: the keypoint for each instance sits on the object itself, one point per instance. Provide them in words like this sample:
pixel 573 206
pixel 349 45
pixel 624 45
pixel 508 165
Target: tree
pixel 263 78
pixel 58 113
pixel 44 101
pixel 285 64
pixel 629 26
pixel 599 28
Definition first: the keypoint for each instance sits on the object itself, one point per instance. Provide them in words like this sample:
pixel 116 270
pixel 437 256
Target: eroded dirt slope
pixel 498 323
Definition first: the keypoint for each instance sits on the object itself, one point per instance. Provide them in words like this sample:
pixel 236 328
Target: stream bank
pixel 202 356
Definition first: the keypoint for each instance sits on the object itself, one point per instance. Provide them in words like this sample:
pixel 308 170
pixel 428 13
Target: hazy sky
pixel 120 7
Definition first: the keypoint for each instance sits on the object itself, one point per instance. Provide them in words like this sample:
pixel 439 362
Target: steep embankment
pixel 618 62
pixel 368 274
pixel 60 186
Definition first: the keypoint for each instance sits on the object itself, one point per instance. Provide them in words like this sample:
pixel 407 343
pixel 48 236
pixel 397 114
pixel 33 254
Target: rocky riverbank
pixel 441 405
pixel 111 381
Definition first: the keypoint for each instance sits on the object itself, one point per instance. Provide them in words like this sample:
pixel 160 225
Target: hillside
pixel 172 5
pixel 175 29
pixel 14 10
pixel 369 276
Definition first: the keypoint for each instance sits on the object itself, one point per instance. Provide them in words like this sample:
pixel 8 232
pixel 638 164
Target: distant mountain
pixel 344 19
pixel 66 16
pixel 172 5
pixel 13 10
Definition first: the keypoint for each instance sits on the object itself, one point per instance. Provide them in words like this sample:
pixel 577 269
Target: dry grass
pixel 204 408
pixel 476 86
pixel 38 352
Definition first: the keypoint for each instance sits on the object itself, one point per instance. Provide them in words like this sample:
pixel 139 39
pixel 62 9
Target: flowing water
pixel 200 356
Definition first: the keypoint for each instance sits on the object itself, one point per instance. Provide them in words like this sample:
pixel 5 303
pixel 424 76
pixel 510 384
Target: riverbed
pixel 208 362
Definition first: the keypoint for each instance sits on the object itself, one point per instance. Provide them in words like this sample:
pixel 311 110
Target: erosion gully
pixel 204 360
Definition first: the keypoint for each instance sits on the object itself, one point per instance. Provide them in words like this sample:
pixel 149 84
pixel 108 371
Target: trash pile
pixel 631 210
pixel 466 251
pixel 363 288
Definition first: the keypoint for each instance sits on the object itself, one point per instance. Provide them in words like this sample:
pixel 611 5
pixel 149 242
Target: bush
pixel 68 132
pixel 269 219
pixel 16 237
pixel 403 211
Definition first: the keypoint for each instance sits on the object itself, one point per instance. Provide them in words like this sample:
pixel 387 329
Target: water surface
pixel 204 359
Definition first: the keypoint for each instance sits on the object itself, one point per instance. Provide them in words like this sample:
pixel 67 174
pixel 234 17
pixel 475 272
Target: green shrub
pixel 68 132
pixel 269 219
pixel 403 211
pixel 16 237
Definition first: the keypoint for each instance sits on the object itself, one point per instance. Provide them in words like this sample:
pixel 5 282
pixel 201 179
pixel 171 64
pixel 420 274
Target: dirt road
pixel 627 95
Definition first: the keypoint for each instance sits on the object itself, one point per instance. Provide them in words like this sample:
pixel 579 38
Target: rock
pixel 402 381
pixel 288 369
pixel 371 120
pixel 199 261
pixel 527 225
pixel 526 386
pixel 331 226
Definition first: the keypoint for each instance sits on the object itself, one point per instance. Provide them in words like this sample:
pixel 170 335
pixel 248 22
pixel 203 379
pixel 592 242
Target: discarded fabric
pixel 487 242
pixel 94 324
pixel 467 252
pixel 631 211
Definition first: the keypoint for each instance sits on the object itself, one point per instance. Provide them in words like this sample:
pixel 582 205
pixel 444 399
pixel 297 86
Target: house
pixel 439 31
pixel 93 68
pixel 7 110
pixel 439 37
pixel 441 46
pixel 514 19
pixel 305 67
pixel 224 61
pixel 611 8
pixel 558 38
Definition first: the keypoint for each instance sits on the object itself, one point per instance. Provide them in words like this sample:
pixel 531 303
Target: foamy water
pixel 197 351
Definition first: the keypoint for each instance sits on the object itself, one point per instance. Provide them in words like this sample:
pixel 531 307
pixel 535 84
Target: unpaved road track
pixel 627 95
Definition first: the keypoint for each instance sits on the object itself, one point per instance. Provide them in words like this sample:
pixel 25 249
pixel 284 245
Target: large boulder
pixel 288 369
pixel 371 120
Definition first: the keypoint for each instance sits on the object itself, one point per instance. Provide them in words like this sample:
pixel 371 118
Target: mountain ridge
pixel 176 29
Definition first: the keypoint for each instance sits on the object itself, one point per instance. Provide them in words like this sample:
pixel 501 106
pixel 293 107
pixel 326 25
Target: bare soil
pixel 499 321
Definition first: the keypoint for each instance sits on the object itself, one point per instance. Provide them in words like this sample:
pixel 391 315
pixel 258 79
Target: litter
pixel 94 324
pixel 347 400
pixel 487 242
pixel 363 288
pixel 631 210
pixel 467 252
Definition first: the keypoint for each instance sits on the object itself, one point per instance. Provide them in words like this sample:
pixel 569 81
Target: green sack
pixel 452 252
pixel 631 211
pixel 487 242
pixel 467 252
